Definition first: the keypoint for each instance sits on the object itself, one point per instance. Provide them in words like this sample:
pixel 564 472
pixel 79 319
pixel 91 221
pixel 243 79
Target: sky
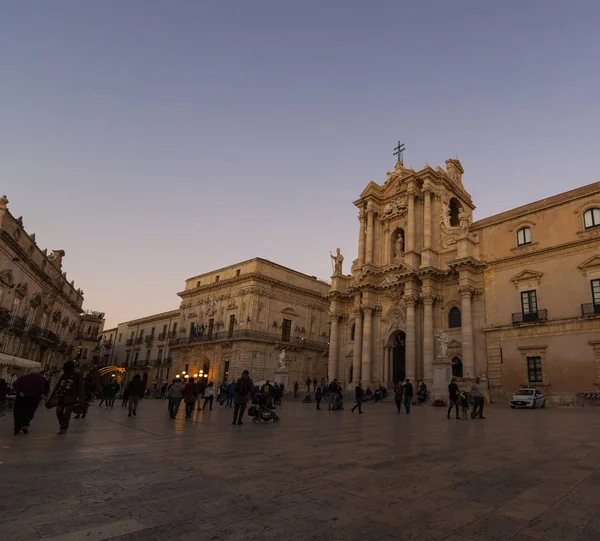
pixel 157 140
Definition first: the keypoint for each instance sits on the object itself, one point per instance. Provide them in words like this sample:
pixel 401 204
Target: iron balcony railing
pixel 590 309
pixel 139 339
pixel 162 335
pixel 253 335
pixel 529 317
pixel 107 343
pixel 129 342
pixel 172 334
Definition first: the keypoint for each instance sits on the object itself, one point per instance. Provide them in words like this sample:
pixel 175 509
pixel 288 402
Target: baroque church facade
pixel 513 299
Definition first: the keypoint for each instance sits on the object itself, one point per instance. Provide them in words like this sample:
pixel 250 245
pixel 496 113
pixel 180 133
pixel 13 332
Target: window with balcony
pixel 454 318
pixel 159 355
pixel 591 218
pixel 524 236
pixel 152 332
pixel 231 324
pixel 148 351
pixel 529 307
pixel 286 330
pixel 534 370
pixel 211 326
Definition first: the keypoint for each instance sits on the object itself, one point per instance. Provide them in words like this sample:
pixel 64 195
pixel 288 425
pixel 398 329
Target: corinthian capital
pixel 410 299
pixel 428 298
pixel 335 315
pixel 466 291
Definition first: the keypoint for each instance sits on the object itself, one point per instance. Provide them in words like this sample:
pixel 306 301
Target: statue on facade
pixel 443 341
pixel 399 248
pixel 464 222
pixel 338 259
pixel 282 360
pixel 3 202
pixel 445 215
pixel 394 208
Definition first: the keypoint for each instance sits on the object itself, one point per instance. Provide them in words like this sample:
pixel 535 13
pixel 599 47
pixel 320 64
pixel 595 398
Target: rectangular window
pixel 120 336
pixel 198 283
pixel 217 278
pixel 534 369
pixel 174 328
pixel 136 358
pixel 237 272
pixel 231 324
pixel 148 351
pixel 159 355
pixel 152 332
pixel 529 305
pixel 127 360
pixel 596 292
pixel 226 374
pixel 141 334
pixel 89 329
pixel 164 329
pixel 211 324
pixel 286 330
pixel 132 335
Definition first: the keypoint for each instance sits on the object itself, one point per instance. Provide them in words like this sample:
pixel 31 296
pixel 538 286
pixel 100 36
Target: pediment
pixel 289 311
pixel 454 344
pixel 6 277
pixel 526 276
pixel 372 189
pixel 591 264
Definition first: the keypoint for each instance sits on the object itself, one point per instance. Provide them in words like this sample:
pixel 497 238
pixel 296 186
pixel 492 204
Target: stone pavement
pixel 519 475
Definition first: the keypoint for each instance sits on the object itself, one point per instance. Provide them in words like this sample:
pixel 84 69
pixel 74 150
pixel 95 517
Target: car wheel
pixel 512 407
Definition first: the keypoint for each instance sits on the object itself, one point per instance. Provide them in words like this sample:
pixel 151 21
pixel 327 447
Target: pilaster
pixel 466 292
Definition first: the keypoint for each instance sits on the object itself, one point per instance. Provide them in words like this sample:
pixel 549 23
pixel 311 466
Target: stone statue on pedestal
pixel 282 360
pixel 443 341
pixel 338 259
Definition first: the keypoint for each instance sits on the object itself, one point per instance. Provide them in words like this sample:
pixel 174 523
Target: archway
pixel 397 344
pixel 457 368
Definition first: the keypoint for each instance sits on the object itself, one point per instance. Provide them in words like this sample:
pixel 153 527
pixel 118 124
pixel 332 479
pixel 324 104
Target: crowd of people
pixel 73 393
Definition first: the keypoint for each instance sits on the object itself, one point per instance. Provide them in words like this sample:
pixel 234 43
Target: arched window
pixel 454 211
pixel 524 236
pixel 457 368
pixel 454 319
pixel 591 218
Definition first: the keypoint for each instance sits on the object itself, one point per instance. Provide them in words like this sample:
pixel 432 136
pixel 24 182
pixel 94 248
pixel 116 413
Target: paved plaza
pixel 519 475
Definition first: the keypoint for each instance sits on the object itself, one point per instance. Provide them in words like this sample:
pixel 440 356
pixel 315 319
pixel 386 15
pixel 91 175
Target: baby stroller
pixel 262 409
pixel 339 402
pixel 307 399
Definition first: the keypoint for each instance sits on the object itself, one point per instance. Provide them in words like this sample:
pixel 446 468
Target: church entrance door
pixel 398 356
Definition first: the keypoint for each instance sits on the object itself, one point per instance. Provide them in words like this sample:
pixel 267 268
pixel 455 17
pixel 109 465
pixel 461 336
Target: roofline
pixel 540 204
pixel 147 319
pixel 262 260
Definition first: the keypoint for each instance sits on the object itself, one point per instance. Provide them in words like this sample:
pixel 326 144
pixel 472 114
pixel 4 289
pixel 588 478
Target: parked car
pixel 528 398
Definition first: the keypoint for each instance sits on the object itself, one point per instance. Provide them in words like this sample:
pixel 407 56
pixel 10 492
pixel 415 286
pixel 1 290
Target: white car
pixel 528 398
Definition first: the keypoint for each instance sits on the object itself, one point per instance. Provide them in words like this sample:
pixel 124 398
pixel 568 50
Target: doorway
pixel 398 346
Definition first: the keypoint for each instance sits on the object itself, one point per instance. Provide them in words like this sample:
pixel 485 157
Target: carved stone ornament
pixel 192 313
pixel 22 289
pixel 6 277
pixel 396 320
pixel 212 307
pixel 393 209
pixel 3 202
pixel 392 279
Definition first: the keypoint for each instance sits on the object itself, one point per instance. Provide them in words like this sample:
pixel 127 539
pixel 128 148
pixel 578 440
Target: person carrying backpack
pixel 244 389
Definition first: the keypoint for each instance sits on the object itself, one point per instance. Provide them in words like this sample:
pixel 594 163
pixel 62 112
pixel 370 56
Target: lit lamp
pixel 195 375
pixel 177 376
pixel 186 376
pixel 183 372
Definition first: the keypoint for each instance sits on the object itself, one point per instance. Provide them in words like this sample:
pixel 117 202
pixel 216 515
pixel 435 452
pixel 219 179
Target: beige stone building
pixel 243 317
pixel 91 325
pixel 142 346
pixel 514 298
pixel 39 307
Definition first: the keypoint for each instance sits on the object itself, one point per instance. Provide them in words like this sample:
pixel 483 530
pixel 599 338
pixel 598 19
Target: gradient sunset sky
pixel 156 140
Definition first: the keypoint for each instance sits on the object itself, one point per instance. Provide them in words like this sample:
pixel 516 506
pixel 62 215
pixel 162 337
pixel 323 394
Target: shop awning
pixel 11 360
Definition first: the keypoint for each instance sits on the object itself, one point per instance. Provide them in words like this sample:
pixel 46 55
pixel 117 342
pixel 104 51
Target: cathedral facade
pixel 513 299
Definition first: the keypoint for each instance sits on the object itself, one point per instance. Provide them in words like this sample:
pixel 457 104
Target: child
pixel 463 401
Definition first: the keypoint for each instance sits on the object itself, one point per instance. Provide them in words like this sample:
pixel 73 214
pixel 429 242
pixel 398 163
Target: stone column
pixel 427 219
pixel 428 338
pixel 467 331
pixel 366 345
pixel 361 238
pixel 411 339
pixel 386 365
pixel 333 347
pixel 356 358
pixel 410 237
pixel 370 227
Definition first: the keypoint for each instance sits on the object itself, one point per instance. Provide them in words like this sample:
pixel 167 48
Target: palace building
pixel 513 298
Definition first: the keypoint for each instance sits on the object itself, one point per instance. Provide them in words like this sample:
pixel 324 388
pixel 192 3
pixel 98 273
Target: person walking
pixel 333 390
pixel 230 394
pixel 408 394
pixel 29 390
pixel 296 387
pixel 453 392
pixel 478 398
pixel 399 396
pixel 244 388
pixel 68 391
pixel 318 397
pixel 358 396
pixel 222 393
pixel 135 391
pixel 308 380
pixel 175 396
pixel 190 395
pixel 209 395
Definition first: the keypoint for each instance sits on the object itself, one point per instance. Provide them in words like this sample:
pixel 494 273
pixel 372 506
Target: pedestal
pixel 281 376
pixel 442 374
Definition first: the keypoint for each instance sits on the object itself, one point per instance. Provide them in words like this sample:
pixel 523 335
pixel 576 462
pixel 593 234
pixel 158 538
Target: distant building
pixel 39 308
pixel 242 317
pixel 88 339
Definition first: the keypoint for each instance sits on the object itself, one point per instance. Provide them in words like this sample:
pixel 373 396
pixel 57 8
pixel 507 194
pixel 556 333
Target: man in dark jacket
pixel 358 394
pixel 333 390
pixel 408 395
pixel 244 389
pixel 29 389
pixel 453 392
pixel 136 391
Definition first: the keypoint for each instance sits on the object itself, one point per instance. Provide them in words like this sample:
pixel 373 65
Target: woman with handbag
pixel 67 395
